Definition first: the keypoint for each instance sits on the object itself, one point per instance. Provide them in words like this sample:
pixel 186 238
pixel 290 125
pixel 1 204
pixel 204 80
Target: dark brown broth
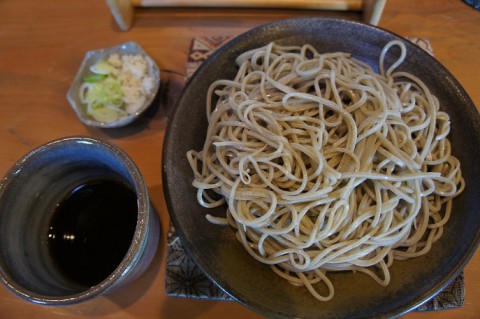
pixel 91 230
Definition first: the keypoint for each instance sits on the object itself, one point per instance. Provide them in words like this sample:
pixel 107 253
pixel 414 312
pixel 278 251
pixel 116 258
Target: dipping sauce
pixel 91 230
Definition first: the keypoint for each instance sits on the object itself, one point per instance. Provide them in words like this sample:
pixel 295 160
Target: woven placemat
pixel 183 278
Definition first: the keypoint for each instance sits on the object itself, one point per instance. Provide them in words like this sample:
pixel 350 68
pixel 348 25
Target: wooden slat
pixel 354 5
pixel 123 10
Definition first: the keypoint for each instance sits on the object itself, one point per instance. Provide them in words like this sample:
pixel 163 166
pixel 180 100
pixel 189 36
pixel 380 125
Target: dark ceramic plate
pixel 253 284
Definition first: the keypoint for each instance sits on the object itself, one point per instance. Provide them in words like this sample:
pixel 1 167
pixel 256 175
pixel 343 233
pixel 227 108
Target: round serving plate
pixel 253 284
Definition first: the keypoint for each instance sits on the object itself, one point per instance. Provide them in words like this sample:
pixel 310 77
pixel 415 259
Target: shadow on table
pixel 181 308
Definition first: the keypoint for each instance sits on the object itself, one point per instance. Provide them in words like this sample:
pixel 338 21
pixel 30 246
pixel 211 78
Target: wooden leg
pixel 372 10
pixel 122 11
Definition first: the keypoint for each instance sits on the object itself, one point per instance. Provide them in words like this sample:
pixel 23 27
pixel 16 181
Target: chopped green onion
pixel 102 67
pixel 103 91
pixel 106 92
pixel 104 114
pixel 94 78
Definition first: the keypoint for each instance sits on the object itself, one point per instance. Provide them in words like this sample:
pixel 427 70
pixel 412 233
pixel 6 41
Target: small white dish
pixel 93 56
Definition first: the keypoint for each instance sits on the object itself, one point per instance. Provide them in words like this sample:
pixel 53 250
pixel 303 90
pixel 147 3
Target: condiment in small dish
pixel 114 86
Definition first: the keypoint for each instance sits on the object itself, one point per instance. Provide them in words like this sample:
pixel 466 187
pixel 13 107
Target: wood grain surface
pixel 42 44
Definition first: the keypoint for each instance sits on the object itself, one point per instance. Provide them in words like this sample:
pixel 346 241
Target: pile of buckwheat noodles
pixel 325 164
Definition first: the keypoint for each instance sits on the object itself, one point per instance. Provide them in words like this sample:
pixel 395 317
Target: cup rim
pixel 139 236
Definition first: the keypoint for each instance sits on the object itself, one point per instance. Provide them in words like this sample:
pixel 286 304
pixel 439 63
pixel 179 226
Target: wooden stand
pixel 123 10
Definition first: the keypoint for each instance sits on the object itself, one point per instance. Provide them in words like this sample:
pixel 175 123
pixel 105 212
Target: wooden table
pixel 41 46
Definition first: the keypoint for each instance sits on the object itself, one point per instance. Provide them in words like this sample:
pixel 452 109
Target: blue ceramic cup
pixel 31 191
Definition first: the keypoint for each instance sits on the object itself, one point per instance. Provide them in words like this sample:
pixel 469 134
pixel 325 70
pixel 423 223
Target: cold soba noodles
pixel 325 164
